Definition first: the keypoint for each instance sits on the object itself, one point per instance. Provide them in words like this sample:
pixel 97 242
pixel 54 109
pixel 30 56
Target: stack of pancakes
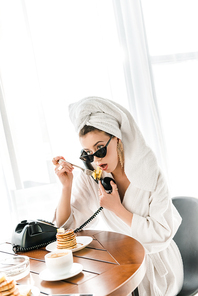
pixel 8 286
pixel 66 239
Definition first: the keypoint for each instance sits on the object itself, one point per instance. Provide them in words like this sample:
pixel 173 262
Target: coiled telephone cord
pixel 89 220
pixel 17 248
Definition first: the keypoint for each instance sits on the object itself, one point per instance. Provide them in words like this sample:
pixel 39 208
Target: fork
pixel 86 171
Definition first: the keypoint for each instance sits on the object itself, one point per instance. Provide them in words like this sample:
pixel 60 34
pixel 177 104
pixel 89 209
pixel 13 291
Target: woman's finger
pixel 102 190
pixel 61 164
pixel 64 163
pixel 64 168
pixel 60 168
pixel 56 159
pixel 114 186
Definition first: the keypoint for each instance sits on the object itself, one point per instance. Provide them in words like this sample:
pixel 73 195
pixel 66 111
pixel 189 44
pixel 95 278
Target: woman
pixel 139 205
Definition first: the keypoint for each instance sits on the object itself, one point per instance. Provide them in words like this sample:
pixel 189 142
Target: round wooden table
pixel 113 264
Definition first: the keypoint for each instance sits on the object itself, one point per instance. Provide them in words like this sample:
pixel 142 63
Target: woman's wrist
pixel 66 188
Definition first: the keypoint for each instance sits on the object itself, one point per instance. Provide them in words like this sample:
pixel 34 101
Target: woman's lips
pixel 103 166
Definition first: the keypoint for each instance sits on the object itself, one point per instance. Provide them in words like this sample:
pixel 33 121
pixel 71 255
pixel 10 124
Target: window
pixel 171 28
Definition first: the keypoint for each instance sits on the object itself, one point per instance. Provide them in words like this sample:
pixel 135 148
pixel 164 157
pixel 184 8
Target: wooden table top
pixel 113 264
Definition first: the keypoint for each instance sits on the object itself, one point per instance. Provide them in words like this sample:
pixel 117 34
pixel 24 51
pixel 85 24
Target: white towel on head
pixel 140 163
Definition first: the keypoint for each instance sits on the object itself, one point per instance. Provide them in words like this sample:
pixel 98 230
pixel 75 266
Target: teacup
pixel 59 262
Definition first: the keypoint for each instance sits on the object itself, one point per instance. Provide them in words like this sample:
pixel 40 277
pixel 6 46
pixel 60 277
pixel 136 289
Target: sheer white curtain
pixel 138 74
pixel 161 70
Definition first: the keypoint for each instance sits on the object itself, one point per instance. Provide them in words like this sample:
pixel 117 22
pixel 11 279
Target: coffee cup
pixel 59 262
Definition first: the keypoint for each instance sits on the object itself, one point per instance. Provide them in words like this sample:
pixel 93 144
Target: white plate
pixel 82 242
pixel 34 290
pixel 46 275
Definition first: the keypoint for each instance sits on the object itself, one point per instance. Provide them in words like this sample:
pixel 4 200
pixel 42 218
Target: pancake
pixel 8 287
pixel 66 239
pixel 2 277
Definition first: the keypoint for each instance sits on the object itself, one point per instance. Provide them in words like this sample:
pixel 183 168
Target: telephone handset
pixel 108 188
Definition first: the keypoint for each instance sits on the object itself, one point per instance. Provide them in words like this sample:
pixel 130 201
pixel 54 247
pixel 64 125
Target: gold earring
pixel 120 150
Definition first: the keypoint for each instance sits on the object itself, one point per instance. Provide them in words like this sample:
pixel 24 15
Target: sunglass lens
pixel 101 152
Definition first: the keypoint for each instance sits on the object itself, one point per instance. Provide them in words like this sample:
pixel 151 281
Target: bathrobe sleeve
pixel 156 229
pixel 84 202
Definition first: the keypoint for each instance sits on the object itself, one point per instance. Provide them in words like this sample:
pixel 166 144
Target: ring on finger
pixel 60 167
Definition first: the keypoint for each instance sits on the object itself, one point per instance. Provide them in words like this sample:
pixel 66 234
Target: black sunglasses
pixel 100 153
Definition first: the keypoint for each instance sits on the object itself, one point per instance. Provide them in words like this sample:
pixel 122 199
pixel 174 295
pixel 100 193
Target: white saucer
pixel 46 275
pixel 34 290
pixel 82 242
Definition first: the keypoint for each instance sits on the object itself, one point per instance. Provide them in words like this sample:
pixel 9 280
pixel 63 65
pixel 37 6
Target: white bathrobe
pixel 155 222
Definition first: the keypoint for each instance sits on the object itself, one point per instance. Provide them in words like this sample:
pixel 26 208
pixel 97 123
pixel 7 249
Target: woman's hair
pixel 88 128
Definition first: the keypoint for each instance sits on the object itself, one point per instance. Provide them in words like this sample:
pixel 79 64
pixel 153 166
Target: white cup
pixel 59 262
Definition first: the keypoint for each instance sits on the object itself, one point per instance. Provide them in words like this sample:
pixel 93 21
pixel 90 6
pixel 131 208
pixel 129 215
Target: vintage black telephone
pixel 33 234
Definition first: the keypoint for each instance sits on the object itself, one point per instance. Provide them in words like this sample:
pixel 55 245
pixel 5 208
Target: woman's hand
pixel 63 170
pixel 113 203
pixel 110 201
